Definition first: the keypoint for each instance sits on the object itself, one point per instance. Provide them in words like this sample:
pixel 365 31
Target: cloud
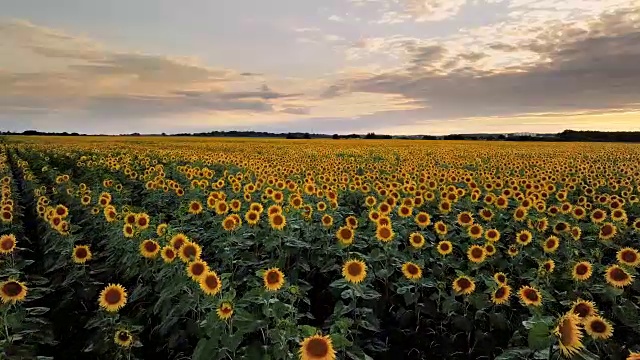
pixel 94 81
pixel 297 110
pixel 575 67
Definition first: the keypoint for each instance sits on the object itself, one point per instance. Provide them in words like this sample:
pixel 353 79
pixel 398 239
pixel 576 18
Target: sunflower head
pixel 618 277
pixel 582 271
pixel 597 327
pixel 464 285
pixel 189 251
pixel 197 269
pixel 12 291
pixel 416 240
pixel 81 254
pixel 123 338
pixel 168 254
pixel 113 297
pixel 354 271
pixel 500 278
pixel 210 283
pixel 476 254
pixel 225 310
pixel 569 334
pixel 626 256
pixel 530 296
pixel 384 233
pixel 149 249
pixel 273 279
pixel 501 295
pixel 411 271
pixel 444 247
pixel 7 243
pixel 317 347
pixel 583 309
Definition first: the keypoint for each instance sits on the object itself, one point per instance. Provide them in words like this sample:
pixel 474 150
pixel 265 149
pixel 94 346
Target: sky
pixel 330 66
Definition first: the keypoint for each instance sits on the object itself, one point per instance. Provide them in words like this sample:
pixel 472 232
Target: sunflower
pixel 524 237
pixel 569 335
pixel 189 251
pixel 423 220
pixel 128 231
pixel 178 240
pixel 113 297
pixel 512 251
pixel 123 338
pixel 551 244
pixel 168 254
pixel 383 220
pixel 441 228
pixel 627 256
pixel 486 214
pixel 352 222
pixel 405 211
pixel 149 249
pixel 501 295
pixel 7 216
pixel 475 231
pixel 444 247
pixel 210 282
pixel 81 254
pixel 633 356
pixel 492 235
pixel 252 217
pixel 476 254
pixel 62 211
pixel 520 214
pixel 274 209
pixel 12 291
pixel 500 278
pixel 411 271
pixel 548 266
pixel 607 231
pixel 465 219
pixel 225 310
pixel 327 221
pixel 221 207
pixel 273 279
pixel 583 309
pixel 598 328
pixel 354 271
pixel 582 271
pixel 317 347
pixel 530 296
pixel 416 240
pixel 617 276
pixel 7 243
pixel 161 229
pixel 576 233
pixel 384 233
pixel 489 249
pixel 130 218
pixel 277 221
pixel 464 285
pixel 229 224
pixel 345 235
pixel 444 206
pixel 142 221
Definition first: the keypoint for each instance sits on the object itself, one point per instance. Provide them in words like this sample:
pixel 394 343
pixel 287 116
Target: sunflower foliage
pixel 26 331
pixel 260 249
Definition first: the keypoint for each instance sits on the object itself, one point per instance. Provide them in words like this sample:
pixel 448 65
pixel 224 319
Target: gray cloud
pixel 297 110
pixel 592 69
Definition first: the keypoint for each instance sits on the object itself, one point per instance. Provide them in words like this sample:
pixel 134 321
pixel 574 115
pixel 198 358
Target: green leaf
pixel 539 336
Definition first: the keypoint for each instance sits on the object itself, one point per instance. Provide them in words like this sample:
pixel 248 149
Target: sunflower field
pixel 191 248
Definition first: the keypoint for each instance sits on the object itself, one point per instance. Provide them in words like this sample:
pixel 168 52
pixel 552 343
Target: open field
pixel 156 248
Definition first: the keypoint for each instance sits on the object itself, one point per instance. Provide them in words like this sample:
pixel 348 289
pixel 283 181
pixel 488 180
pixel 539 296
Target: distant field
pixel 238 248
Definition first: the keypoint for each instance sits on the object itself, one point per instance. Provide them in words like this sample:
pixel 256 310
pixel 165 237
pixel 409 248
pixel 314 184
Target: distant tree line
pixel 567 135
